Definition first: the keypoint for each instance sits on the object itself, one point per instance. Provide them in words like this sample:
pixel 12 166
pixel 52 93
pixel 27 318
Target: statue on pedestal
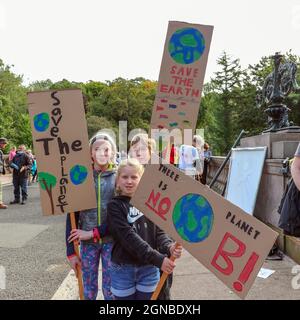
pixel 278 85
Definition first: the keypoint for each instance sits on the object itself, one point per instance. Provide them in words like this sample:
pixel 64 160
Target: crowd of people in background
pixel 22 164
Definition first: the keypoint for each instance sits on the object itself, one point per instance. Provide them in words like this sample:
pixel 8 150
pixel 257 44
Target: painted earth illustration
pixel 41 122
pixel 78 174
pixel 193 217
pixel 186 45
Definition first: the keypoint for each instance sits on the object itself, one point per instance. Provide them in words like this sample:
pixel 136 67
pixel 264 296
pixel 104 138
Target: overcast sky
pixel 101 40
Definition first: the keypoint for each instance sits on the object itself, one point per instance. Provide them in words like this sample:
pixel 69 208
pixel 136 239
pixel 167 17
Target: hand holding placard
pixel 200 219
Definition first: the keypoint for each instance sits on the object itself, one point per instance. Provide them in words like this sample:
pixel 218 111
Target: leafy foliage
pixel 228 104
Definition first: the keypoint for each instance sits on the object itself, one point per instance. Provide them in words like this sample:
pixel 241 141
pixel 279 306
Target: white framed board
pixel 245 171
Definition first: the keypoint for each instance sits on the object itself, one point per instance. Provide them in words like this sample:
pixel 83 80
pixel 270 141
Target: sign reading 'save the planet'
pixel 62 150
pixel 226 240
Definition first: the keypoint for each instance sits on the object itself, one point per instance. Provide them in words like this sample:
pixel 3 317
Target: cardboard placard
pixel 61 147
pixel 229 242
pixel 181 76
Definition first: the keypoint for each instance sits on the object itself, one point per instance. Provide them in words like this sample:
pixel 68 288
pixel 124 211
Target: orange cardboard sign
pixel 229 242
pixel 181 76
pixel 61 147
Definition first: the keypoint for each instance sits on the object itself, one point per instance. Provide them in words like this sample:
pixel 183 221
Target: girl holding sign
pixel 95 238
pixel 135 260
pixel 141 148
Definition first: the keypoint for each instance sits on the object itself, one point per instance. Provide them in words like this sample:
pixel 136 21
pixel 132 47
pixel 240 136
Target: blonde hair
pixel 143 137
pixel 199 141
pixel 129 163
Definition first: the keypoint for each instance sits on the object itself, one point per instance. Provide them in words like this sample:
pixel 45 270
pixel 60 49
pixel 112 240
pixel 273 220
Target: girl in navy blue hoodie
pixel 135 260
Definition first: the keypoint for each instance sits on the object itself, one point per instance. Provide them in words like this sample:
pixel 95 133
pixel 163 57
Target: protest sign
pixel 229 242
pixel 62 150
pixel 181 77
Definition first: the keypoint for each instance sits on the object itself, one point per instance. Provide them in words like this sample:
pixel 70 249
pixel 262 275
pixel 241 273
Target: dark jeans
pixel 137 296
pixel 20 182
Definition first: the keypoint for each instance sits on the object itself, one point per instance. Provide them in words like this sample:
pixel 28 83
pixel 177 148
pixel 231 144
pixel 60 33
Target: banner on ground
pixel 62 152
pixel 229 242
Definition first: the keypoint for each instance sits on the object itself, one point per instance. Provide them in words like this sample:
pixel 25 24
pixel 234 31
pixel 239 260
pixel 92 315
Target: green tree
pixel 14 120
pixel 130 100
pixel 47 182
pixel 40 85
pixel 95 124
pixel 227 84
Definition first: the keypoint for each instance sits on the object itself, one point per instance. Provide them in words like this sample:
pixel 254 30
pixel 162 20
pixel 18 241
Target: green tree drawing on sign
pixel 47 182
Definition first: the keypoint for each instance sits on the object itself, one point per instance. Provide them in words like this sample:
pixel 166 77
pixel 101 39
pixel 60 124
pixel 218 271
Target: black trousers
pixel 20 184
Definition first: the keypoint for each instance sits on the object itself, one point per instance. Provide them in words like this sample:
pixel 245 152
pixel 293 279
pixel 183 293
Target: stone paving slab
pixel 16 235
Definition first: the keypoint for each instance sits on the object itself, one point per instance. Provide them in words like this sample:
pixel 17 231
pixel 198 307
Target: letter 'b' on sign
pixel 239 251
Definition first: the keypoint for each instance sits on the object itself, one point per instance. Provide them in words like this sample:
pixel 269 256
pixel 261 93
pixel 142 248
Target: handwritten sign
pixel 226 240
pixel 181 76
pixel 61 146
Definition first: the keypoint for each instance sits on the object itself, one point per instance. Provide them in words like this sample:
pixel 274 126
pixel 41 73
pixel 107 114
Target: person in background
pixel 21 163
pixel 12 153
pixel 34 170
pixel 30 155
pixel 207 151
pixel 207 157
pixel 3 143
pixel 198 143
pixel 174 158
pixel 189 161
pixel 141 148
pixel 295 169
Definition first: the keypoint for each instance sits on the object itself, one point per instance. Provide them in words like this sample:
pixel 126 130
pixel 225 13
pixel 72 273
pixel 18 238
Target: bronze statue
pixel 278 85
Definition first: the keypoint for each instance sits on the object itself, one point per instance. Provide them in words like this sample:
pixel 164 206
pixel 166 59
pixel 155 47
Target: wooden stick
pixel 162 280
pixel 79 272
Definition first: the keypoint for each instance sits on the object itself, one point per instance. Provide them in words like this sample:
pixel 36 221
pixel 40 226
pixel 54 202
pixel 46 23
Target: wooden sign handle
pixel 162 280
pixel 79 272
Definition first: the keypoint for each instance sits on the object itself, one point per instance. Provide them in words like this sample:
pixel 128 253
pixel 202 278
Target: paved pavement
pixel 37 268
pixel 32 248
pixel 194 282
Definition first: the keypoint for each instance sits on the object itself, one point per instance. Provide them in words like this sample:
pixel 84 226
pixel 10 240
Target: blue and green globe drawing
pixel 78 174
pixel 41 121
pixel 193 217
pixel 186 45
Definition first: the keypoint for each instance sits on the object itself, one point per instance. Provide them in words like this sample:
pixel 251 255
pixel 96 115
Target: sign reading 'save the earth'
pixel 181 77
